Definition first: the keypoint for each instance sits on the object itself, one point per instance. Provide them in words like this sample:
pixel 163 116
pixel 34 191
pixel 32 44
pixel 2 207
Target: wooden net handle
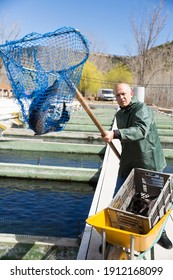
pixel 92 116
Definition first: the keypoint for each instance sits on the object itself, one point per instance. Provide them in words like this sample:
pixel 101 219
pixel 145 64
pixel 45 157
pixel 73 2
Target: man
pixel 139 138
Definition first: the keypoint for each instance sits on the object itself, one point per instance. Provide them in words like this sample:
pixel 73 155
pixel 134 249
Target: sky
pixel 106 23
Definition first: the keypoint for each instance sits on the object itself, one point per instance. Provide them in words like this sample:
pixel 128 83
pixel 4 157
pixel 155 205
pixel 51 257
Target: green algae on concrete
pixel 165 132
pixel 168 153
pixel 28 145
pixel 26 247
pixel 49 172
pixel 21 251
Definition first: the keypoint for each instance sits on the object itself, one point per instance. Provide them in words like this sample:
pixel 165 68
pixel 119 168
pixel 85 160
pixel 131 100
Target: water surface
pixel 44 208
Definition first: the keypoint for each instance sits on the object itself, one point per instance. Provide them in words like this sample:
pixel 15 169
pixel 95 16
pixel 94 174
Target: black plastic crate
pixel 145 182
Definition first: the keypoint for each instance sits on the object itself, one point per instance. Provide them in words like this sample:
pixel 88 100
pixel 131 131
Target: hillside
pixel 158 75
pixel 158 79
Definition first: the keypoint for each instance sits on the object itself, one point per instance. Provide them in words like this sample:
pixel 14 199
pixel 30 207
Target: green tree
pixel 91 79
pixel 119 73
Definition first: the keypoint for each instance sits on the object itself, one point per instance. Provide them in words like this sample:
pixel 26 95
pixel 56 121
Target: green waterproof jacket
pixel 140 142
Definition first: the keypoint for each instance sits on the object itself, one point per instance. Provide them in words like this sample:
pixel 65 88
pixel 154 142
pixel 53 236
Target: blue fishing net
pixel 44 71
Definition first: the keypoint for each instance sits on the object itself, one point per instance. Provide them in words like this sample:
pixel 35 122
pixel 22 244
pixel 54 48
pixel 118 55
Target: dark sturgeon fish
pixel 40 107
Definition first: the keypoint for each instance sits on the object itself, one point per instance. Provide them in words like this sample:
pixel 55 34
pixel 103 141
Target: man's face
pixel 123 95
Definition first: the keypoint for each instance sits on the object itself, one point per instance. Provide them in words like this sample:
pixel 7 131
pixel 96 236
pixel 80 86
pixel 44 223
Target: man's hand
pixel 109 136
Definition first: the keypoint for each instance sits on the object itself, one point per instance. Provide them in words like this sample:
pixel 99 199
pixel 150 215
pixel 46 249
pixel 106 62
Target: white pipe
pixel 140 93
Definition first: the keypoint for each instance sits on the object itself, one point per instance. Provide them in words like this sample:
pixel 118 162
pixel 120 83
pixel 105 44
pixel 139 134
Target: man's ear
pixel 132 93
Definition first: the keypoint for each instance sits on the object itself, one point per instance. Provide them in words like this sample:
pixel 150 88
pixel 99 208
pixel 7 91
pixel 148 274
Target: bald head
pixel 123 86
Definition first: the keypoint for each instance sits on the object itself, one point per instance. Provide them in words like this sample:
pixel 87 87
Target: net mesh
pixel 44 71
